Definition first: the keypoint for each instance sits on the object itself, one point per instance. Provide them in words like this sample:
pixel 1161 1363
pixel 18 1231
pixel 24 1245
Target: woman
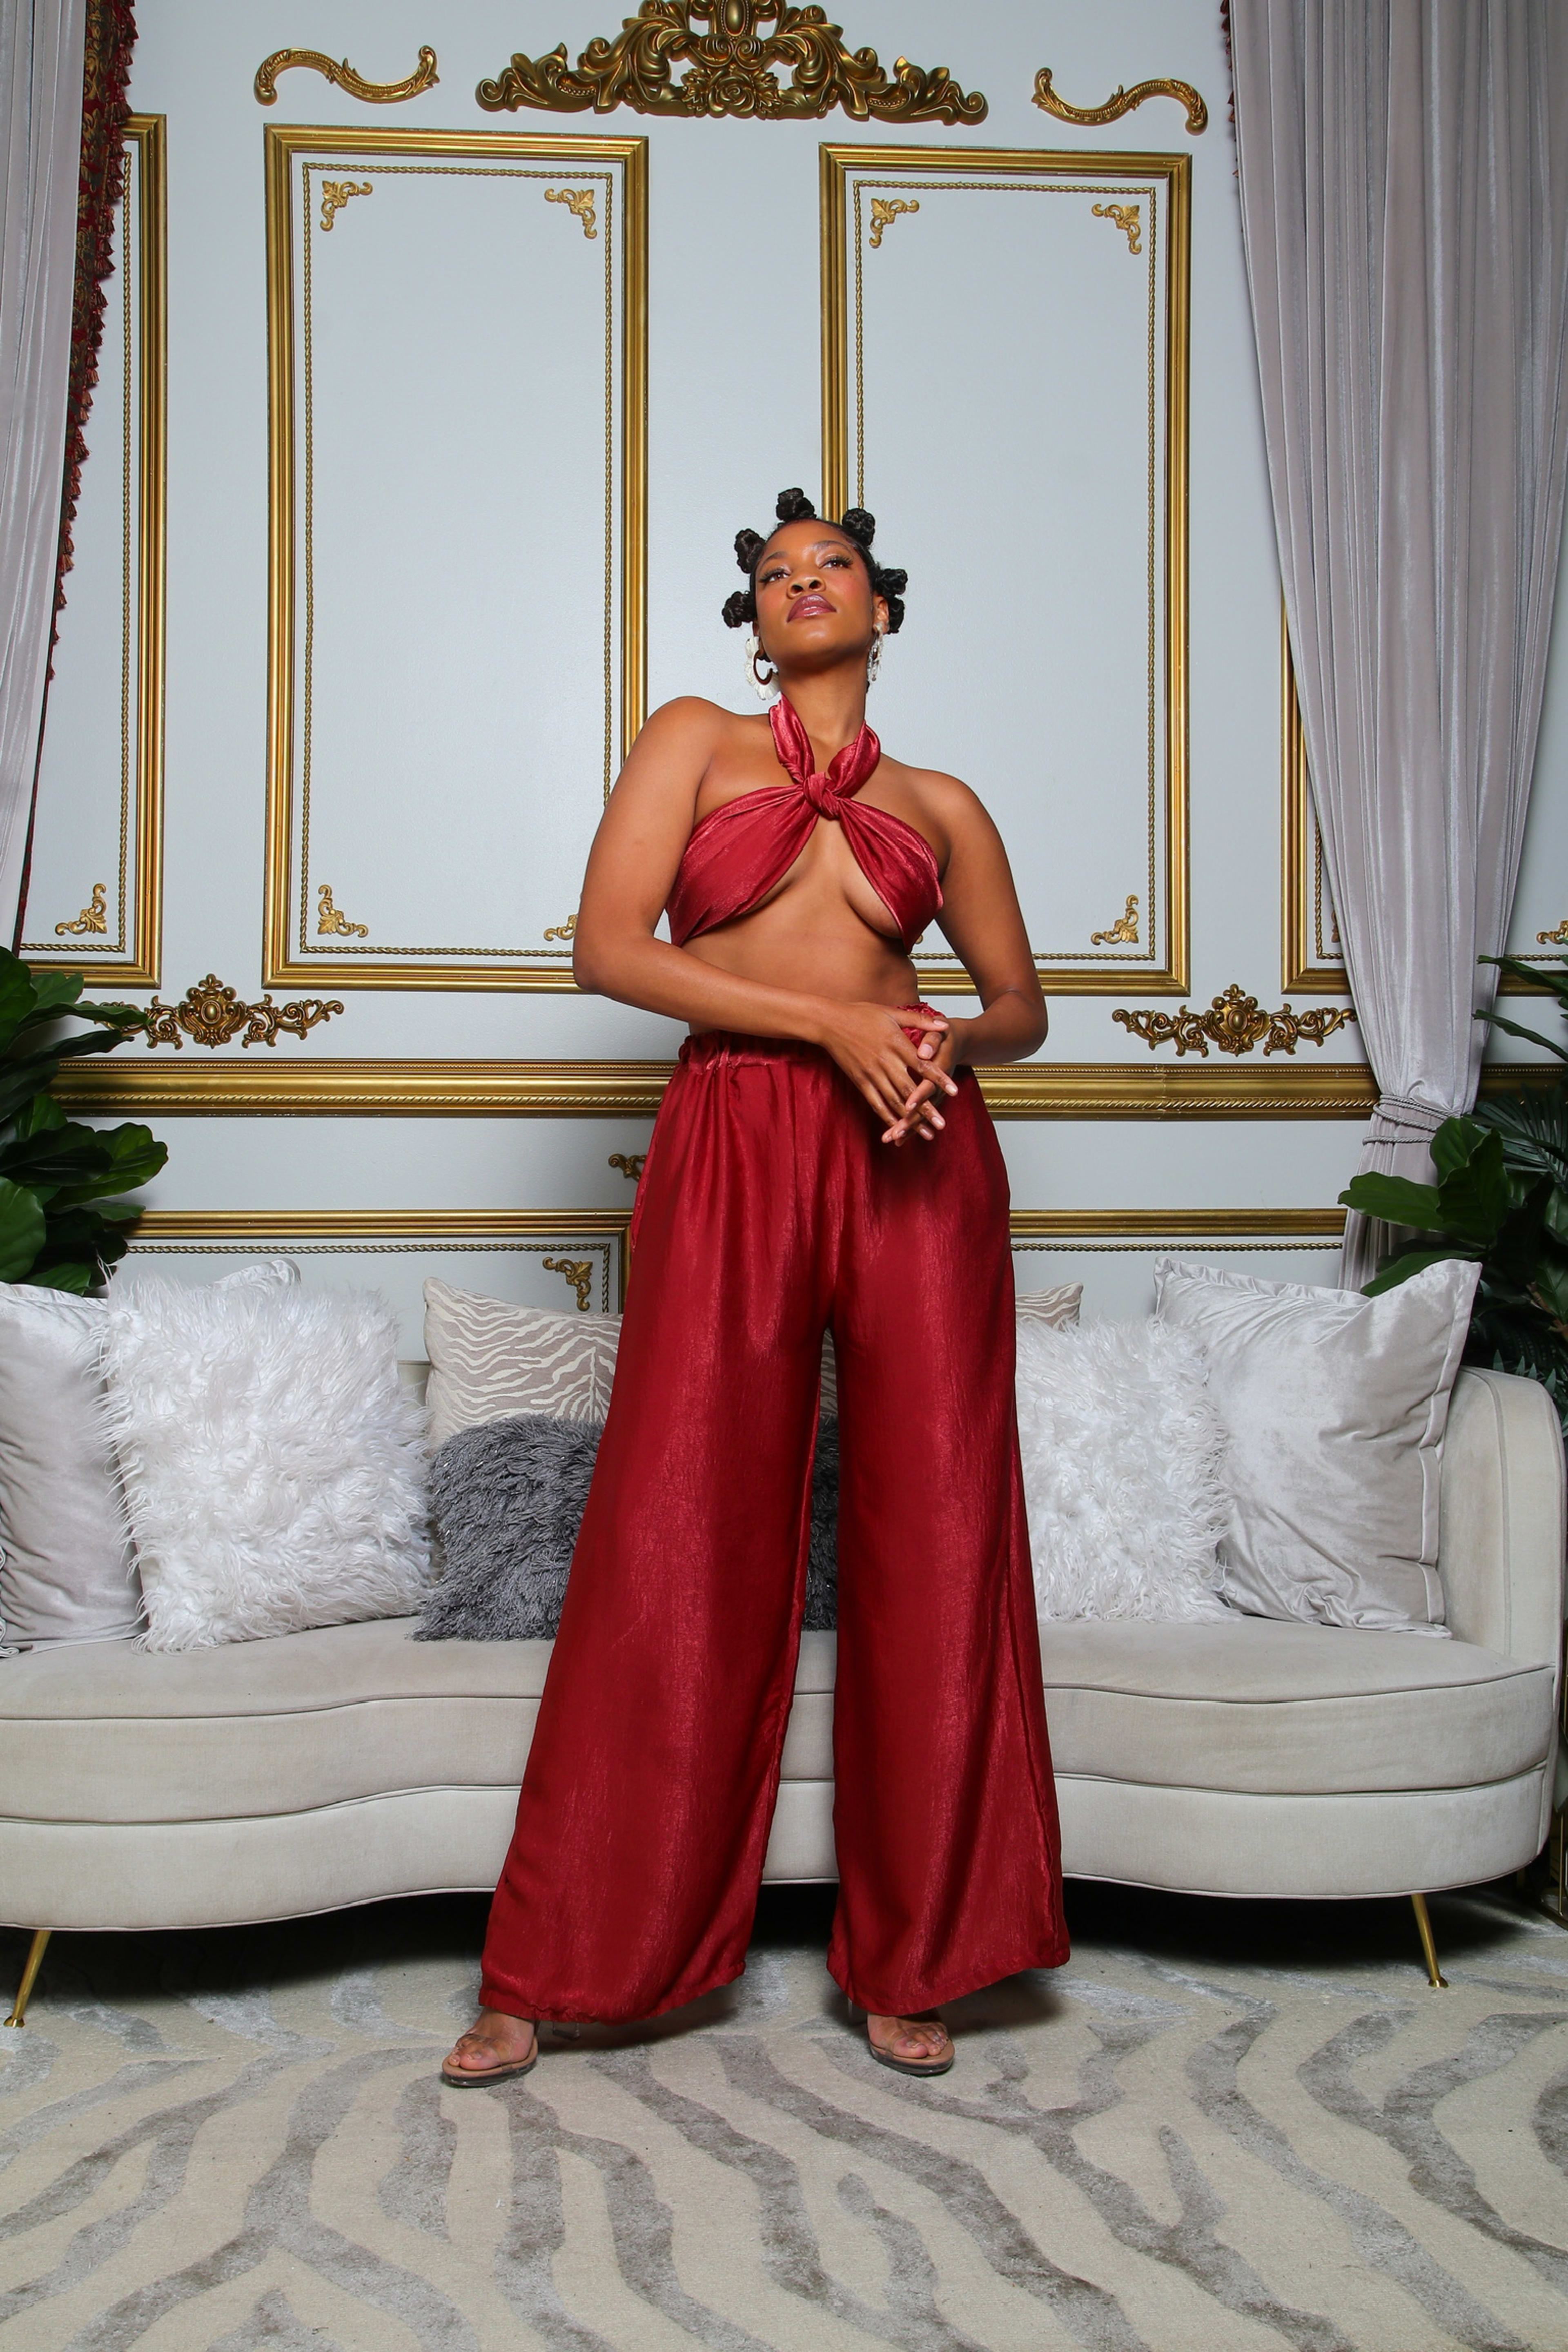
pixel 822 1158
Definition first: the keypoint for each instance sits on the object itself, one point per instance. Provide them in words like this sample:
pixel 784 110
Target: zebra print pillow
pixel 491 1361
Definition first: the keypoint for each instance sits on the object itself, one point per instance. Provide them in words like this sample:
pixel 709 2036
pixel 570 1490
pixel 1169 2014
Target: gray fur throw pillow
pixel 507 1500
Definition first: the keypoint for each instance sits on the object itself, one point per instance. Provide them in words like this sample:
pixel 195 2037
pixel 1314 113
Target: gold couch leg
pixel 35 1951
pixel 1439 1981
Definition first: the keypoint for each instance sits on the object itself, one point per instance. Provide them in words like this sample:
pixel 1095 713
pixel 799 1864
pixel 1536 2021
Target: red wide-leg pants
pixel 769 1208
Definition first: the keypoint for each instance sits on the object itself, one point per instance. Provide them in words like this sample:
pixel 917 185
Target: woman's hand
pixel 869 1044
pixel 937 1055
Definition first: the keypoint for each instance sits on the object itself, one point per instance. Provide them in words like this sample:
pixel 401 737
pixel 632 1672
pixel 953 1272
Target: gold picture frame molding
pixel 229 1087
pixel 838 162
pixel 147 303
pixel 569 150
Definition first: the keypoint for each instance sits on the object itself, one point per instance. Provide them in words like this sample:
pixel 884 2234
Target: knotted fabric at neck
pixel 847 770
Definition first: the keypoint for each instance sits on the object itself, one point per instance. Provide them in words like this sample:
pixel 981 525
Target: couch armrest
pixel 1500 1523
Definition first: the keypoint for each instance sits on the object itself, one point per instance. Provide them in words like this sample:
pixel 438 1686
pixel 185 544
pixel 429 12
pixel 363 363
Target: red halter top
pixel 740 849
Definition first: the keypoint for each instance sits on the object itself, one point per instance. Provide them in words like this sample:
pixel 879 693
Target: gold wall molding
pixel 1125 928
pixel 730 70
pixel 342 75
pixel 301 1086
pixel 579 201
pixel 884 211
pixel 214 1014
pixel 335 194
pixel 1160 967
pixel 1143 1228
pixel 1236 1023
pixel 291 955
pixel 135 955
pixel 1126 219
pixel 1121 101
pixel 331 919
pixel 94 915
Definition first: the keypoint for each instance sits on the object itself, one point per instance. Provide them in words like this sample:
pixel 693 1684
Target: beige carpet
pixel 1222 2128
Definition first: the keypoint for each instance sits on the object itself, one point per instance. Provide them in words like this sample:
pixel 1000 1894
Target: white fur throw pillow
pixel 273 1466
pixel 1122 1455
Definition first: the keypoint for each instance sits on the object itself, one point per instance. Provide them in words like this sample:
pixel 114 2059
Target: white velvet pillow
pixel 1122 1450
pixel 489 1360
pixel 68 1573
pixel 1334 1407
pixel 274 1467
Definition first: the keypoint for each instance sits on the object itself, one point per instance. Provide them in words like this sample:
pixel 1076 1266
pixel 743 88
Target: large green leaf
pixel 1399 1269
pixel 78 1277
pixel 38 1115
pixel 17 995
pixel 1396 1200
pixel 1517 1029
pixel 21 1230
pixel 1455 1142
pixel 1473 1197
pixel 128 1155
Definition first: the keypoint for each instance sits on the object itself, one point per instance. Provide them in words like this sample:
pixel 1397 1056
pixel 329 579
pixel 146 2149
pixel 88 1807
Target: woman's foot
pixel 911 2046
pixel 495 2049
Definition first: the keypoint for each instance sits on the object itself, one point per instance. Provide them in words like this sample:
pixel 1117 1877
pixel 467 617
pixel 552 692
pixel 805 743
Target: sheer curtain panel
pixel 40 121
pixel 1404 177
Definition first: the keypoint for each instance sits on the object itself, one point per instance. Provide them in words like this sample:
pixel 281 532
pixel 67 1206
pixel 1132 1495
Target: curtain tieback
pixel 1400 1119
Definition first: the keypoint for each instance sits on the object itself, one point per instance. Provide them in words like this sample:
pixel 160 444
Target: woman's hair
pixel 857 526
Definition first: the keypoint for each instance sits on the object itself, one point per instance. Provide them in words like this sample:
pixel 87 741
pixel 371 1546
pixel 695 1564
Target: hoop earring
pixel 763 688
pixel 873 657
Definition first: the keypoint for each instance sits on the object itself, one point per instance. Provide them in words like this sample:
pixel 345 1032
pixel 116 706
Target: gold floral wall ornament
pixel 579 1272
pixel 1121 101
pixel 1236 1023
pixel 631 1163
pixel 212 1014
pixel 580 203
pixel 730 70
pixel 1126 219
pixel 331 922
pixel 342 74
pixel 335 194
pixel 1557 939
pixel 564 930
pixel 1124 930
pixel 94 915
pixel 884 211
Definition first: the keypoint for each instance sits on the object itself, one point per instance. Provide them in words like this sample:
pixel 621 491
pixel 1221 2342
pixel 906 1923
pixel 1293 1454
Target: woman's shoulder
pixel 692 718
pixel 945 798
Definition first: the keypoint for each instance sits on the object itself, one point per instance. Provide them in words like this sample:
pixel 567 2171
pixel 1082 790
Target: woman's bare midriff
pixel 823 927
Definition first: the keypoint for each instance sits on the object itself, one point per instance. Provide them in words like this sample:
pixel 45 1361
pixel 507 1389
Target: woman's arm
pixel 631 869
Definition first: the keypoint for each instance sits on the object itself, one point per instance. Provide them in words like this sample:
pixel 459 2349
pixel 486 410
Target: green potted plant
pixel 62 1211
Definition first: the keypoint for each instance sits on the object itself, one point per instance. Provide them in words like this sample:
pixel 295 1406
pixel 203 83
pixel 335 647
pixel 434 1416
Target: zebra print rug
pixel 1222 2127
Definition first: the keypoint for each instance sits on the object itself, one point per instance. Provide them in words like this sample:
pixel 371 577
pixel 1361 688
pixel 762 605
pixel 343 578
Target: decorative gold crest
pixel 730 70
pixel 1236 1023
pixel 1121 101
pixel 212 1014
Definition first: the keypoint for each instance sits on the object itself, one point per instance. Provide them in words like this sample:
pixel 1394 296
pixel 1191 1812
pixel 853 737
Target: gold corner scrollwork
pixel 212 1014
pixel 884 211
pixel 631 1163
pixel 1121 101
pixel 342 75
pixel 331 922
pixel 1557 939
pixel 1124 932
pixel 94 915
pixel 335 194
pixel 580 201
pixel 730 70
pixel 564 930
pixel 579 1273
pixel 1126 219
pixel 1236 1023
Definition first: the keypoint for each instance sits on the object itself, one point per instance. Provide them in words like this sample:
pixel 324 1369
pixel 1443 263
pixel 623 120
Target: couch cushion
pixel 1258 1704
pixel 119 1734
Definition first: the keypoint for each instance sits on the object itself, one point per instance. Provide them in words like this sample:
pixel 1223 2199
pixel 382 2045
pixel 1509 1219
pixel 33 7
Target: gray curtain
pixel 1403 176
pixel 40 126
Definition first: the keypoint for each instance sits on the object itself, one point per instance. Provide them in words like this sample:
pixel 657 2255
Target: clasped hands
pixel 900 1081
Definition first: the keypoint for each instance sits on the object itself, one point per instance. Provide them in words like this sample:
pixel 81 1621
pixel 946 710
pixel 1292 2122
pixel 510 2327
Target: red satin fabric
pixel 768 1209
pixel 740 850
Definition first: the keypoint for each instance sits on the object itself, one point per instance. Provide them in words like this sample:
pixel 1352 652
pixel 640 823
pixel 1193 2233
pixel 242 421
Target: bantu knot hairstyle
pixel 858 526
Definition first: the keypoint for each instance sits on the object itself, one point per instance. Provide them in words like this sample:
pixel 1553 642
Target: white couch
pixel 272 1778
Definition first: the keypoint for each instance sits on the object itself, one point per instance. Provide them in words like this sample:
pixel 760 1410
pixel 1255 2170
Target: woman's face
pixel 814 600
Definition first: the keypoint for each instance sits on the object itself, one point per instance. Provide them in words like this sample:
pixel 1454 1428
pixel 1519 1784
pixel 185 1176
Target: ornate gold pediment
pixel 730 70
